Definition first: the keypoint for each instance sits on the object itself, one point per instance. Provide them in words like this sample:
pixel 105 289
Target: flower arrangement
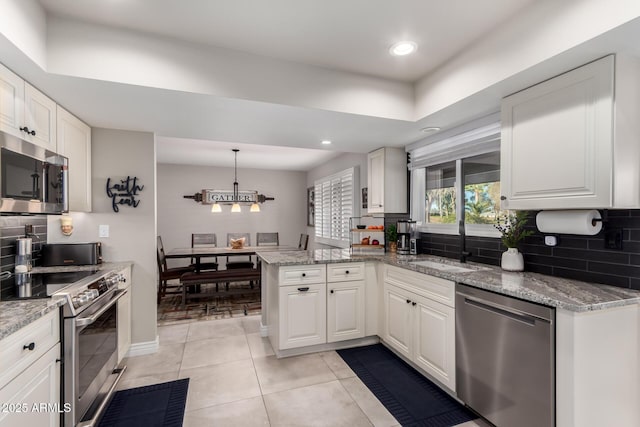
pixel 512 226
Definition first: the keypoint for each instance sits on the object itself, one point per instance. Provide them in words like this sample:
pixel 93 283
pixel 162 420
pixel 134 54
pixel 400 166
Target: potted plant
pixel 392 237
pixel 512 227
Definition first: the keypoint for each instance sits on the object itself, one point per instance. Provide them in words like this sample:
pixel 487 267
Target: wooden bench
pixel 215 277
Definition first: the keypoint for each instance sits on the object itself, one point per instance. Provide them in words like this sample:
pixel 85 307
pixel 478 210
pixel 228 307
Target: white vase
pixel 512 260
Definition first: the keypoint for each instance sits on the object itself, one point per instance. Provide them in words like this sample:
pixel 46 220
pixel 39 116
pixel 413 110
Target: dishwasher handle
pixel 501 310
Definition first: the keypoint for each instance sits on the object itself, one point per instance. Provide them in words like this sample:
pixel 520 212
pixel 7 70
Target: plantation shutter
pixel 335 204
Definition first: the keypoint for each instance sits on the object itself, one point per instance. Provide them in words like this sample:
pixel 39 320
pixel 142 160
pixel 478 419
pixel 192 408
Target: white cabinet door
pixel 124 316
pixel 11 102
pixel 398 327
pixel 345 310
pixel 434 337
pixel 26 397
pixel 303 315
pixel 74 142
pixel 375 181
pixel 40 118
pixel 557 141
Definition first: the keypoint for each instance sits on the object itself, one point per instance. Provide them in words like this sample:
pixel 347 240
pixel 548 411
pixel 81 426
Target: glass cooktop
pixel 39 285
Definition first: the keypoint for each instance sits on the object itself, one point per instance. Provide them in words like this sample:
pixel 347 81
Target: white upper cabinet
pixel 74 142
pixel 11 102
pixel 571 141
pixel 26 112
pixel 39 118
pixel 387 180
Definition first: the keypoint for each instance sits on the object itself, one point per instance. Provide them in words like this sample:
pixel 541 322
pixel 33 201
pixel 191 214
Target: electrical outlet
pixel 103 231
pixel 613 238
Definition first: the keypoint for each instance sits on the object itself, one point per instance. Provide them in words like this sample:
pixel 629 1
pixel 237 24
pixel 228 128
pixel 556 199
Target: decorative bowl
pixel 361 227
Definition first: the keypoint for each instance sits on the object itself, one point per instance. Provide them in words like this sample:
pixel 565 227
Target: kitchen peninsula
pixel 592 321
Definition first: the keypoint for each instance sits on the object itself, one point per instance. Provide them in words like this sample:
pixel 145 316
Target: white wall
pixel 179 217
pixel 116 154
pixel 337 164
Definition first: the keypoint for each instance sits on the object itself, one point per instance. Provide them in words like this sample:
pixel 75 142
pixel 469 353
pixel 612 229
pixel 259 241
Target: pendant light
pixel 236 206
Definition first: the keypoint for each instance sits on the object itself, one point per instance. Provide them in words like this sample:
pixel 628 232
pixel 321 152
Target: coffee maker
pixel 405 229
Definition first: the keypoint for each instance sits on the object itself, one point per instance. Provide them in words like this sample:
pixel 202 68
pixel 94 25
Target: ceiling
pixel 353 35
pixel 344 84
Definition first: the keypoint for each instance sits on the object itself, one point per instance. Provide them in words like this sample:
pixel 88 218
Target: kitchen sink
pixel 449 268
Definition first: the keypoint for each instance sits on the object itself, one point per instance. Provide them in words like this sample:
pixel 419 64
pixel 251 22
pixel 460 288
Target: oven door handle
pixel 83 321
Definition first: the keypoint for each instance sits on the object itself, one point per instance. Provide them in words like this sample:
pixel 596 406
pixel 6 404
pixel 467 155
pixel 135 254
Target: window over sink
pixel 455 178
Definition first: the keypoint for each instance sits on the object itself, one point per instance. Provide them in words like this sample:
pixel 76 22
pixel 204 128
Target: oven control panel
pixel 85 292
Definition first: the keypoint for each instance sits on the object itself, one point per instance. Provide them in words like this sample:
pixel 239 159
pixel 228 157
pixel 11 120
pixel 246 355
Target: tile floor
pixel 235 380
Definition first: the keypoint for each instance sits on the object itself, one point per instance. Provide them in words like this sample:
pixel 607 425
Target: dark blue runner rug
pixel 160 405
pixel 411 398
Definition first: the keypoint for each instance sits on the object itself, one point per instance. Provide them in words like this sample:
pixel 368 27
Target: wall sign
pixel 124 192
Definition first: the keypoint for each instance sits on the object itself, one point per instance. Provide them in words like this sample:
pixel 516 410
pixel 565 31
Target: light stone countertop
pixel 571 295
pixel 17 314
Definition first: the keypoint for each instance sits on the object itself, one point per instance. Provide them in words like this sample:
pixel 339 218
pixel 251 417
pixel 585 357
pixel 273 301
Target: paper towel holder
pixel 604 218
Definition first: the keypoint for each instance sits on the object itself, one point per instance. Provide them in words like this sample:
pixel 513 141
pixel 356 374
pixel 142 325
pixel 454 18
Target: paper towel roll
pixel 569 222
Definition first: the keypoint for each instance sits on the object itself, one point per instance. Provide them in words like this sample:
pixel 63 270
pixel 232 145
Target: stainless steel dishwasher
pixel 505 358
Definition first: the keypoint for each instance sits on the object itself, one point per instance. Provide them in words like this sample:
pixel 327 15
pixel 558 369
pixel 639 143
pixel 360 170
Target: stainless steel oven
pixel 90 335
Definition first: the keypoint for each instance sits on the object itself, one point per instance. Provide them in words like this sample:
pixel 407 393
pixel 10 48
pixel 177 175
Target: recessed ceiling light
pixel 326 142
pixel 403 48
pixel 430 129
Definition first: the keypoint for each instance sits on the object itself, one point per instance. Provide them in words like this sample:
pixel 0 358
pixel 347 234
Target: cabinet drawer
pixel 44 333
pixel 435 288
pixel 293 275
pixel 342 272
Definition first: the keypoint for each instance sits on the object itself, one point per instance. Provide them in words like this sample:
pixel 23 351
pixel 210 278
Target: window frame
pixel 472 139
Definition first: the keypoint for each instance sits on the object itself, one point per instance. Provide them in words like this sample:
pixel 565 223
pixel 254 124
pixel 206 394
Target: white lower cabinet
pixel 420 328
pixel 345 310
pixel 303 314
pixel 124 316
pixel 33 397
pixel 30 374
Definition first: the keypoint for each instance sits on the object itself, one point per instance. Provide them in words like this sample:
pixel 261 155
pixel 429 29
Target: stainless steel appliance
pixel 89 334
pixel 32 179
pixel 90 330
pixel 54 254
pixel 404 229
pixel 505 352
pixel 23 261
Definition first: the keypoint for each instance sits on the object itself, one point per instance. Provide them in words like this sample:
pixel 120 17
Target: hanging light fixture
pixel 234 198
pixel 236 206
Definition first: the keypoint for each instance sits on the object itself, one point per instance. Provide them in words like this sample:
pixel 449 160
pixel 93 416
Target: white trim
pixel 144 348
pixel 439 228
pixel 264 330
pixel 481 230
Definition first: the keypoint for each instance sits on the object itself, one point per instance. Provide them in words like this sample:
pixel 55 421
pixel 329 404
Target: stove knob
pixel 75 301
pixel 83 298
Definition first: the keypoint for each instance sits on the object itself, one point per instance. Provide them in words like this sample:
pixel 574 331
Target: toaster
pixel 55 254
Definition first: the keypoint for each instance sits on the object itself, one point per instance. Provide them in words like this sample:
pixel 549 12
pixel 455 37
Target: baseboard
pixel 143 348
pixel 264 330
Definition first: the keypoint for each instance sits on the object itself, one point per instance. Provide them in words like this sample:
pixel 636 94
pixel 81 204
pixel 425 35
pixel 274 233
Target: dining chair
pixel 239 261
pixel 304 241
pixel 267 239
pixel 165 273
pixel 204 240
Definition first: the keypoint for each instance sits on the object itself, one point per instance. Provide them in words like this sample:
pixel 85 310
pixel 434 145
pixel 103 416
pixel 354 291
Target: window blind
pixel 456 144
pixel 335 205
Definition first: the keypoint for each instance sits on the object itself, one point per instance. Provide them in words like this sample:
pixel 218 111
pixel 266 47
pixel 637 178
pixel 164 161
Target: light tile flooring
pixel 235 379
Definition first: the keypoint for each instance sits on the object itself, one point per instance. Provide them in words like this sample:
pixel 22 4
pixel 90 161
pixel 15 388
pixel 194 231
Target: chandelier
pixel 234 197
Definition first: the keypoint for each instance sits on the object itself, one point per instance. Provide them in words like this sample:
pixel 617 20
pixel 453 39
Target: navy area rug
pixel 158 405
pixel 411 398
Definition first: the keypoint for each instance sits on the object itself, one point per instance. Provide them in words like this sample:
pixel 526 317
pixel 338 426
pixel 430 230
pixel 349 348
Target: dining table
pixel 197 253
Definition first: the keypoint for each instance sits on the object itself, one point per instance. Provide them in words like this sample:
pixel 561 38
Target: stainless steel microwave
pixel 32 179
